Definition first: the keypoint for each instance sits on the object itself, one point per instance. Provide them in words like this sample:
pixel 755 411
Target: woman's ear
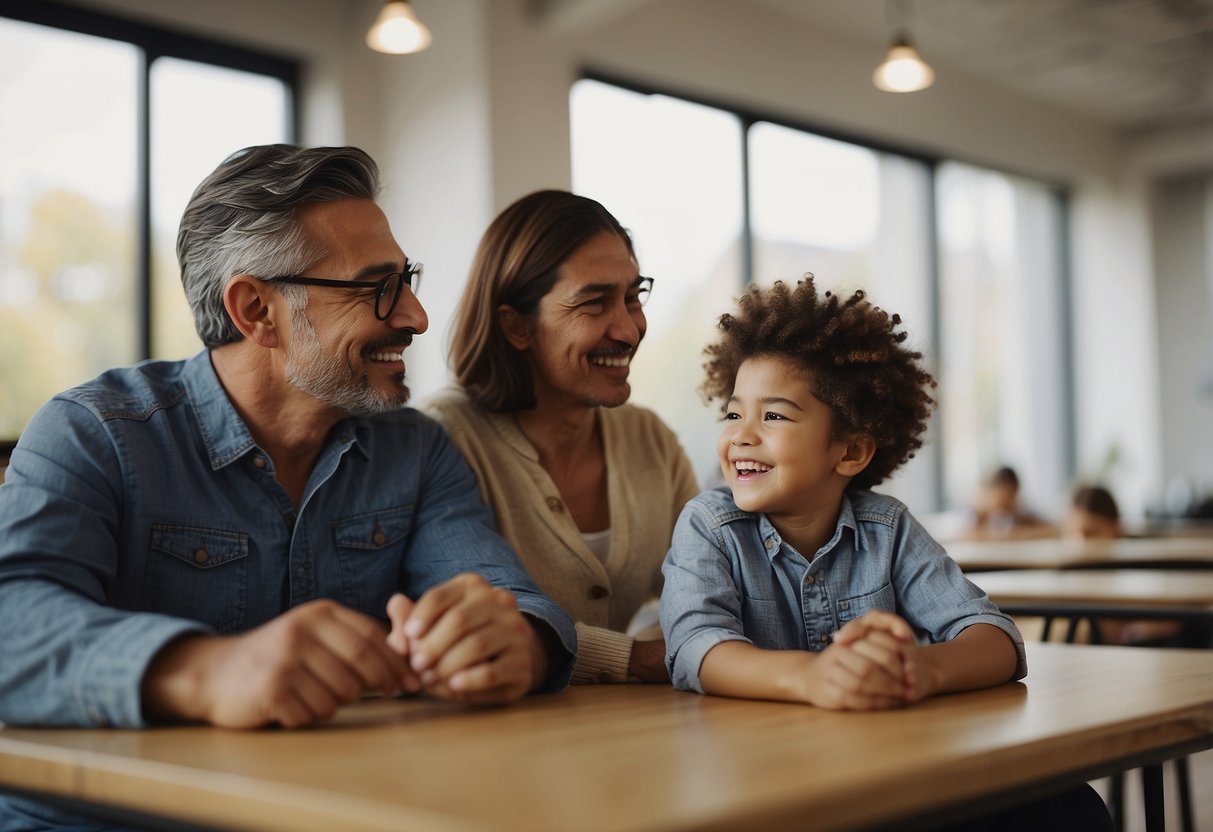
pixel 248 303
pixel 515 327
pixel 859 452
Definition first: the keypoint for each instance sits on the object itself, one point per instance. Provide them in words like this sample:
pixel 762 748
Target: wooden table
pixel 1065 553
pixel 645 757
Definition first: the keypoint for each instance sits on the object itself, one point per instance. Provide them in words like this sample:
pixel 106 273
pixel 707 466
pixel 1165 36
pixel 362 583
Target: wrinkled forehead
pixel 350 234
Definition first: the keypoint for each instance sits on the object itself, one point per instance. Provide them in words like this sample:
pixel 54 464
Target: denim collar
pixel 226 436
pixel 772 541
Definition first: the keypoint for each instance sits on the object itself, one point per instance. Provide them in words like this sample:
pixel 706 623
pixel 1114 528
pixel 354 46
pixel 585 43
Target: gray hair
pixel 241 220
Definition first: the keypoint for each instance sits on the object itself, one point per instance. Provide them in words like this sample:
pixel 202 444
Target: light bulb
pixel 397 30
pixel 903 70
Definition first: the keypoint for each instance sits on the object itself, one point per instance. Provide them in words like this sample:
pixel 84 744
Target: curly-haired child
pixel 794 581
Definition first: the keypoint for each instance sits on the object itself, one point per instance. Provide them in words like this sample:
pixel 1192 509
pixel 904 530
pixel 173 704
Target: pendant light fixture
pixel 903 69
pixel 397 30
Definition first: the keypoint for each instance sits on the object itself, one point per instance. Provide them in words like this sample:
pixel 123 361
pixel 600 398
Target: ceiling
pixel 1137 64
pixel 1140 64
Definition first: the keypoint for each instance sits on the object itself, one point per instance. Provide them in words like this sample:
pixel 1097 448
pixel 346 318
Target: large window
pixel 970 258
pixel 108 126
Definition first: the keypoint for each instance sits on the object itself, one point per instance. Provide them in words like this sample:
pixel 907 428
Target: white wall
pixel 432 121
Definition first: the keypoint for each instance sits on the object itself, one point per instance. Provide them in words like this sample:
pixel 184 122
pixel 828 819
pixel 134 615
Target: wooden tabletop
pixel 642 758
pixel 1065 553
pixel 1188 588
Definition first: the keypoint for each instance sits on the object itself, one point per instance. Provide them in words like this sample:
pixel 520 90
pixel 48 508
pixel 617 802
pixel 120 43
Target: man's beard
pixel 327 379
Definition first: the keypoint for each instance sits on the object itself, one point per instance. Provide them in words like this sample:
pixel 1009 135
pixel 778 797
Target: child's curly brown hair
pixel 852 354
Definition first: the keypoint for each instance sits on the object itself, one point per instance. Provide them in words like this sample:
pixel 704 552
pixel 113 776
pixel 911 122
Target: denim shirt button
pixel 809 580
pixel 770 543
pixel 378 537
pixel 598 592
pixel 200 556
pixel 258 461
pixel 824 638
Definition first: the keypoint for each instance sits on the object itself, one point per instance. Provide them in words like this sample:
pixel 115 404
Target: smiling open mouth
pixel 387 351
pixel 612 359
pixel 749 468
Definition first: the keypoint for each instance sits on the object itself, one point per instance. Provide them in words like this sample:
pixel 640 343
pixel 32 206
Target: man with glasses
pixel 262 533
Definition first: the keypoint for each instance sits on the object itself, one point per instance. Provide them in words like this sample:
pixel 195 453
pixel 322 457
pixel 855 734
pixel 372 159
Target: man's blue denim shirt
pixel 137 507
pixel 730 576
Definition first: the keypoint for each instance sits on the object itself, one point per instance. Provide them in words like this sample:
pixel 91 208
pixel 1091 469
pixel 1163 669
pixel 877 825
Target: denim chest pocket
pixel 370 551
pixel 198 573
pixel 858 605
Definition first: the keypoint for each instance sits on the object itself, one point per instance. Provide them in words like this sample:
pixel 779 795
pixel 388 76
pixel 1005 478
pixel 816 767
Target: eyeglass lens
pixel 387 294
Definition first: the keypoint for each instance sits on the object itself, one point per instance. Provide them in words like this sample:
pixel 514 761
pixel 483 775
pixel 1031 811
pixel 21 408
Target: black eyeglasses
pixel 387 289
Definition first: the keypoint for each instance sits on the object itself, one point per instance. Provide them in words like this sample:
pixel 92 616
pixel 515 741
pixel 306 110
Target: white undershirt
pixel 599 543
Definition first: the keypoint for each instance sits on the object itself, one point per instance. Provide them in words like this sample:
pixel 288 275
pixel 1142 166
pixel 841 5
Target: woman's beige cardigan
pixel 649 480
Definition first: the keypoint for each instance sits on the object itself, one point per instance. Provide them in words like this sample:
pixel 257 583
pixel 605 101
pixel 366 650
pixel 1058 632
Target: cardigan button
pixel 603 677
pixel 598 592
pixel 555 505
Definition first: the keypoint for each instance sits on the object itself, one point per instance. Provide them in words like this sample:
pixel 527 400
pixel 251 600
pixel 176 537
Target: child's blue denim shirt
pixel 730 576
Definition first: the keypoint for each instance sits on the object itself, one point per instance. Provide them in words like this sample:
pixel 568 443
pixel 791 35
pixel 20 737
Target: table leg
pixel 1151 789
pixel 1116 800
pixel 1185 794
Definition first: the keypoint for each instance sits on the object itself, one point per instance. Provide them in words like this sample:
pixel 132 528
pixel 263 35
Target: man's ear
pixel 515 327
pixel 859 452
pixel 248 303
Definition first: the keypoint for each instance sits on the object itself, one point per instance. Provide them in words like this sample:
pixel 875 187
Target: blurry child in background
pixel 999 513
pixel 1094 515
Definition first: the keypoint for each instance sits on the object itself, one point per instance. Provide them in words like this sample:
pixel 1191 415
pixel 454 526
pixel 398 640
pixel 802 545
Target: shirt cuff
pixel 684 665
pixel 109 687
pixel 602 655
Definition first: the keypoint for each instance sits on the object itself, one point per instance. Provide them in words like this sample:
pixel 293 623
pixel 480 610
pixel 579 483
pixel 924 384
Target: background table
pixel 1095 594
pixel 1133 591
pixel 1160 594
pixel 644 757
pixel 1064 553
